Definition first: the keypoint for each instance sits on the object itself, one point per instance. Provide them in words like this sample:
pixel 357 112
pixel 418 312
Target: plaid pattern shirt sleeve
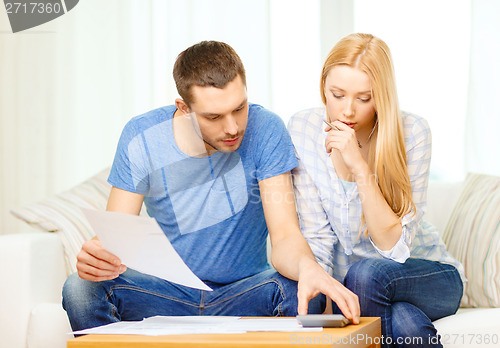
pixel 313 219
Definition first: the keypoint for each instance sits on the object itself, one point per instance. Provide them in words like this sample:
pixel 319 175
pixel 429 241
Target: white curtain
pixel 446 56
pixel 482 144
pixel 68 87
pixel 430 49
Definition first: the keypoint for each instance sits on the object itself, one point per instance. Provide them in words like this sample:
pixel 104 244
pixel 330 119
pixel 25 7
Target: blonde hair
pixel 388 159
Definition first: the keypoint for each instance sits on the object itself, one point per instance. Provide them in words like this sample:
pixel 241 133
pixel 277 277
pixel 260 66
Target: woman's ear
pixel 182 106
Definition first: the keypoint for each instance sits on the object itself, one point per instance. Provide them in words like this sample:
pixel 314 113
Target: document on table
pixel 183 325
pixel 141 245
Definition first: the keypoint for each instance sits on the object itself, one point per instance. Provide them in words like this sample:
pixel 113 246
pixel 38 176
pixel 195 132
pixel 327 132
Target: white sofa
pixel 32 269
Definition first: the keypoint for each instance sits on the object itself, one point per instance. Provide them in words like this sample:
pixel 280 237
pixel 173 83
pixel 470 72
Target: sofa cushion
pixel 470 327
pixel 473 237
pixel 61 213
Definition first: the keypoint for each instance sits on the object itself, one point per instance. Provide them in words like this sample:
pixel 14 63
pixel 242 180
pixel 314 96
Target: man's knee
pixel 77 292
pixel 288 291
pixel 285 295
pixel 70 288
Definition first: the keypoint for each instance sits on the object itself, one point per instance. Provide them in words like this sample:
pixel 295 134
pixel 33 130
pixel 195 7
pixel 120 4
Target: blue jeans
pixel 134 296
pixel 407 297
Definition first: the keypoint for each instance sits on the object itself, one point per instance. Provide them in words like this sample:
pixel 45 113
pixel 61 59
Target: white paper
pixel 184 325
pixel 141 245
pixel 270 324
pixel 166 325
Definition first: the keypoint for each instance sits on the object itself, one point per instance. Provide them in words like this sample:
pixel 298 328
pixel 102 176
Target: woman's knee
pixel 367 274
pixel 411 327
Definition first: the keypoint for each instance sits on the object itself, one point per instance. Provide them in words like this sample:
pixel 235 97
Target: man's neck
pixel 188 138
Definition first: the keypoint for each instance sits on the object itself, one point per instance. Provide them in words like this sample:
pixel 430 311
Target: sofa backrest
pixel 441 199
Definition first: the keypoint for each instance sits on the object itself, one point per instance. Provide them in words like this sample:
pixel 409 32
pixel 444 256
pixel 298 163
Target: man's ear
pixel 182 106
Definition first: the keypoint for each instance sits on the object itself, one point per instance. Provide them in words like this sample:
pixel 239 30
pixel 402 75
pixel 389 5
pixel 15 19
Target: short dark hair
pixel 208 63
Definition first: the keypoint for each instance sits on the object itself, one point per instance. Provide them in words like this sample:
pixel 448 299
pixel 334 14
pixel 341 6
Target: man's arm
pixel 96 263
pixel 126 202
pixel 291 255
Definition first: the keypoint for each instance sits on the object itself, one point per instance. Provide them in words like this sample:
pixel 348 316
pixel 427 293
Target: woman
pixel 361 193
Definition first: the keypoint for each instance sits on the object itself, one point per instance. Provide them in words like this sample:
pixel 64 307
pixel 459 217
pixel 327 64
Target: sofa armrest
pixel 32 271
pixel 48 327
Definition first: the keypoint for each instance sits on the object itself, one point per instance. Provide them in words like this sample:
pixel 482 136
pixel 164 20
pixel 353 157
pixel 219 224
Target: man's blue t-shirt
pixel 209 207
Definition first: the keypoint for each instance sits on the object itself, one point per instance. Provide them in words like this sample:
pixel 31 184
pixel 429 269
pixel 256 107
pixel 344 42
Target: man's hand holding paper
pixel 139 243
pixel 96 264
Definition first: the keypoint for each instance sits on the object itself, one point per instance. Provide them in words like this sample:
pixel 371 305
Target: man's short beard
pixel 239 135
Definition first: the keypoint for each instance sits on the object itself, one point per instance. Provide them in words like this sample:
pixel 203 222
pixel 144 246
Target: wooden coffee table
pixel 366 334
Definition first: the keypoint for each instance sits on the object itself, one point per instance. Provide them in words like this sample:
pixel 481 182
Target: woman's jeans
pixel 135 296
pixel 407 297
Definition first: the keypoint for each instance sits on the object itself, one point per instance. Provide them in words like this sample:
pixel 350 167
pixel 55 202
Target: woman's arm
pixel 382 223
pixel 387 231
pixel 314 222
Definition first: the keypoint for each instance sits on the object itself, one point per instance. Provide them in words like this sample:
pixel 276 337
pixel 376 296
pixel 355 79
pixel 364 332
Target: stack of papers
pixel 182 325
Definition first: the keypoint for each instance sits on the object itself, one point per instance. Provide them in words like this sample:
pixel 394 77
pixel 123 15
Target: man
pixel 214 172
